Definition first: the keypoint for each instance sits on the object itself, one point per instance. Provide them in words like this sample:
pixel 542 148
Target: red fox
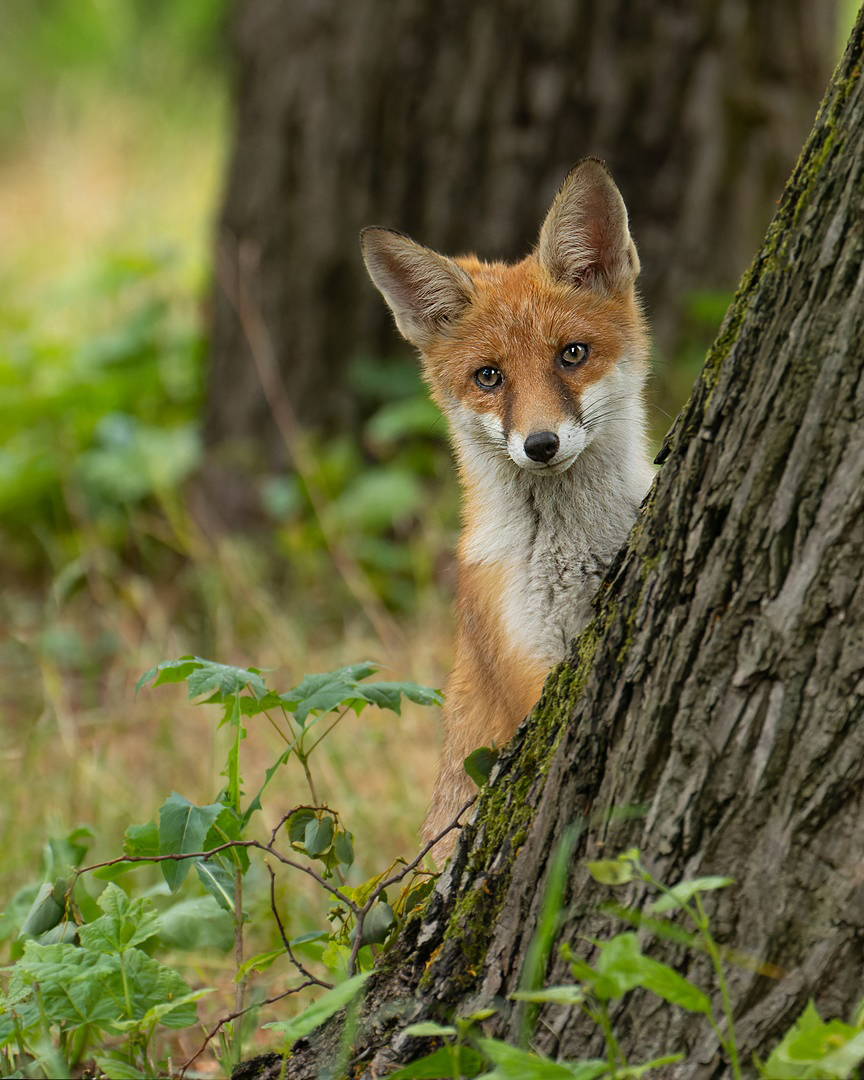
pixel 539 368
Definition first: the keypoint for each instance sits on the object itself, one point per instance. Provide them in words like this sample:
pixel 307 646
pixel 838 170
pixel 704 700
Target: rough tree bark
pixel 721 684
pixel 456 122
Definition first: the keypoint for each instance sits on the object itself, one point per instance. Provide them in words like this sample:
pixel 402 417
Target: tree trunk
pixel 456 123
pixel 721 685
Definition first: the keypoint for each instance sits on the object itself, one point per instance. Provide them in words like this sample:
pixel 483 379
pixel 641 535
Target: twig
pixel 361 913
pixel 234 1016
pixel 177 856
pixel 284 936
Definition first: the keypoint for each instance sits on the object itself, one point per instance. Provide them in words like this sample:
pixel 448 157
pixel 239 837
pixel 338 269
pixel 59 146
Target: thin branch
pixel 361 913
pixel 234 1016
pixel 284 936
pixel 177 856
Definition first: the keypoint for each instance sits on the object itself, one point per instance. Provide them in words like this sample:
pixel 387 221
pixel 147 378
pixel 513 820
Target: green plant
pixel 83 976
pixel 813 1049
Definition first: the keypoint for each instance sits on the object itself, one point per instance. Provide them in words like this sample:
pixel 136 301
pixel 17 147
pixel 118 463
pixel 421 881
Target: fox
pixel 539 368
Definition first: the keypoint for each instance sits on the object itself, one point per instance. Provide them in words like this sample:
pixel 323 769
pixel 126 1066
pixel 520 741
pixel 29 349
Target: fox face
pixel 529 362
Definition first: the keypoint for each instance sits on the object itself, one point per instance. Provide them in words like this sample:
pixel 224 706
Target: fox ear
pixel 425 291
pixel 585 239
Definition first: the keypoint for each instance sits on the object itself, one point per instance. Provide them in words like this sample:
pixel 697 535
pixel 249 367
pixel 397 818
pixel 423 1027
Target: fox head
pixel 530 362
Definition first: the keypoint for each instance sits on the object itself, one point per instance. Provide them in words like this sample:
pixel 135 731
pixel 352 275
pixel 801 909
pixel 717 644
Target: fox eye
pixel 488 377
pixel 574 354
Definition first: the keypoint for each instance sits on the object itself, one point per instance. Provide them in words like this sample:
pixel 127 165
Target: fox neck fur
pixel 547 540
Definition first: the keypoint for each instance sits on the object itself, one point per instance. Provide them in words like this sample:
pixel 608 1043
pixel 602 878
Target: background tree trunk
pixel 721 684
pixel 456 123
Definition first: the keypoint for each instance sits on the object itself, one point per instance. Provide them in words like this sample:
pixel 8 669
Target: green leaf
pixel 635 1072
pixel 205 677
pixel 343 688
pixel 297 823
pixel 554 995
pixel 779 1065
pixel 842 1060
pixel 515 1064
pixel 479 764
pixel 156 1013
pixel 232 765
pixel 258 963
pixel 445 1062
pixel 182 829
pixel 225 679
pixel 611 871
pixel 195 924
pixel 116 1069
pixel 255 804
pixel 378 923
pixel 428 1027
pixel 679 894
pixel 548 924
pixel 153 984
pixel 45 913
pixel 318 836
pixel 816 1048
pixel 76 986
pixel 344 848
pixel 142 840
pixel 228 826
pixel 320 1010
pixel 674 988
pixel 169 671
pixel 409 416
pixel 317 694
pixel 139 842
pixel 622 966
pixel 375 499
pixel 124 925
pixel 218 881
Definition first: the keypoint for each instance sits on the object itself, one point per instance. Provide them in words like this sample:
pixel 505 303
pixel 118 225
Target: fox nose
pixel 542 446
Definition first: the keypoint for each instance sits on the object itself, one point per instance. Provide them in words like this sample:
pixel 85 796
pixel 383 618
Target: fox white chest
pixel 554 536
